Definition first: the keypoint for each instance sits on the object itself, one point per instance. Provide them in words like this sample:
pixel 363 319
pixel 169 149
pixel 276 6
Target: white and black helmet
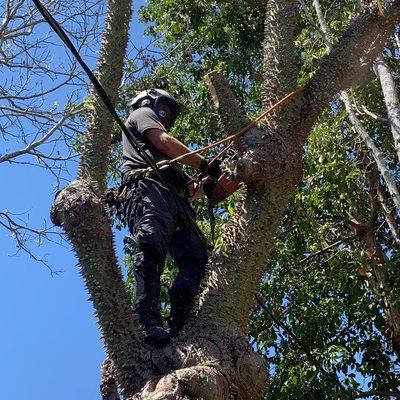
pixel 151 97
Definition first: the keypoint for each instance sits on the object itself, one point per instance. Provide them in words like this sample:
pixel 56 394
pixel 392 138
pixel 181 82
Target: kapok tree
pixel 212 359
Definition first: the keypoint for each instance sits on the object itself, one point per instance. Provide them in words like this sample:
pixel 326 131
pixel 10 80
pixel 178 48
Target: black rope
pixel 107 102
pixel 332 378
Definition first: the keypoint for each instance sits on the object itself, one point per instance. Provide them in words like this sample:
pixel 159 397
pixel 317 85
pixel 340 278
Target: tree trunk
pixel 212 359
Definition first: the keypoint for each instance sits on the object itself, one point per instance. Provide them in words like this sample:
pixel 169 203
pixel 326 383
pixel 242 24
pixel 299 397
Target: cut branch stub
pixel 251 166
pixel 231 114
pixel 264 157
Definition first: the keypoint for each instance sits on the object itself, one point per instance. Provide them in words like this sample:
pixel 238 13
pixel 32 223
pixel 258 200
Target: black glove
pixel 208 188
pixel 212 168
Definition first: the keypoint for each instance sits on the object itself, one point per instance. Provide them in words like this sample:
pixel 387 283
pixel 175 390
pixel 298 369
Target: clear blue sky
pixel 50 345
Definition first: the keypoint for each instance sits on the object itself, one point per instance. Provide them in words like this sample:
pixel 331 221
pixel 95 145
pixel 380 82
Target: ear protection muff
pixel 151 98
pixel 146 103
pixel 161 113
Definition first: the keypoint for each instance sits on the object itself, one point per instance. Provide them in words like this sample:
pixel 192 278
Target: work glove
pixel 219 190
pixel 208 187
pixel 211 168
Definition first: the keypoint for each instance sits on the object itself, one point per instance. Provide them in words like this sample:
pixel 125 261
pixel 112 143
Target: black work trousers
pixel 158 228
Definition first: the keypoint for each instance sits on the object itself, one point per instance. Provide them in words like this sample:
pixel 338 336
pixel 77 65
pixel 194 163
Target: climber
pixel 156 222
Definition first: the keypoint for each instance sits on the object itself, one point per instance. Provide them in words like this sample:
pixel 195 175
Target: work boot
pixel 175 326
pixel 157 337
pixel 181 295
pixel 154 333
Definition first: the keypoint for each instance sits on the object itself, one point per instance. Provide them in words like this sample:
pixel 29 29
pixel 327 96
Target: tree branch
pixel 357 124
pixel 28 149
pixel 79 209
pixel 237 269
pixel 233 118
pixel 392 102
pixel 389 215
pixel 350 60
pixel 376 153
pixel 97 141
pixel 380 393
pixel 109 386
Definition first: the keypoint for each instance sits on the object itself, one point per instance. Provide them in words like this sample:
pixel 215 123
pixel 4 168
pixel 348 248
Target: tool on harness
pixel 107 102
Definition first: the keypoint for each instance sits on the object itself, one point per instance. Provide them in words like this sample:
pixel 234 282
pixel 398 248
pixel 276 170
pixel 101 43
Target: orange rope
pixel 242 131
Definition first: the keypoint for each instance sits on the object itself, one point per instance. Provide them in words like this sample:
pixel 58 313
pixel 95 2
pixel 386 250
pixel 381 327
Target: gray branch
pixel 32 146
pixel 349 61
pixel 357 124
pixel 376 153
pixel 79 209
pixel 391 96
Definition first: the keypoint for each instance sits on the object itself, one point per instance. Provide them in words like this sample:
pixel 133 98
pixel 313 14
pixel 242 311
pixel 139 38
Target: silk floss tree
pixel 212 358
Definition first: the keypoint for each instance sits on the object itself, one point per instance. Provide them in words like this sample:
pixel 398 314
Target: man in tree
pixel 155 219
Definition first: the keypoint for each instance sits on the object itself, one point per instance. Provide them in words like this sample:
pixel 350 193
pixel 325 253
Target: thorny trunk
pixel 80 211
pixel 212 359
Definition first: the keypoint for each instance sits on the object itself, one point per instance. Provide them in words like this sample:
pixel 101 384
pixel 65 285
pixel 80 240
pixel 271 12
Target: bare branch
pixel 370 113
pixel 397 39
pixel 389 214
pixel 380 393
pixel 32 146
pixel 23 235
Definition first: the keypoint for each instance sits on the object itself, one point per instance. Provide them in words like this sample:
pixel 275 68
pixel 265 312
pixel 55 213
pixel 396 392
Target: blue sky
pixel 50 341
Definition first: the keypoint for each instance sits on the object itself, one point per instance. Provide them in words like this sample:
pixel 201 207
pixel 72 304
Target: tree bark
pixel 389 215
pixel 80 211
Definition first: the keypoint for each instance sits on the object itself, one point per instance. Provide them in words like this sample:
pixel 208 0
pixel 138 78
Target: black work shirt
pixel 138 122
